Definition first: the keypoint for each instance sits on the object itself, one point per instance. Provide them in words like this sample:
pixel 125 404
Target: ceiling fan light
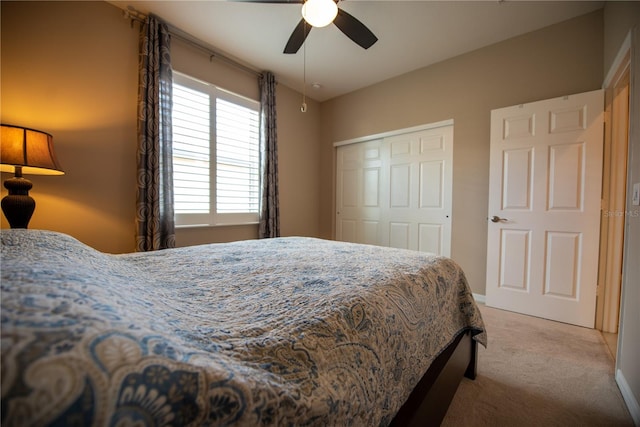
pixel 319 13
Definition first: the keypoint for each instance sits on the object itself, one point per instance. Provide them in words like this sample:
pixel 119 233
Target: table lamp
pixel 24 151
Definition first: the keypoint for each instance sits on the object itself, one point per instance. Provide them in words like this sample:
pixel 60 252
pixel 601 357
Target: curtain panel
pixel 155 226
pixel 269 208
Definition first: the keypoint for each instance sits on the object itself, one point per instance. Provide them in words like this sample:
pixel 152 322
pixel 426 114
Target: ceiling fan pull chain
pixel 303 107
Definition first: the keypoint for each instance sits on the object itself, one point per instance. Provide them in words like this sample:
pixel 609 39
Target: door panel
pixel 399 235
pixel 348 230
pixel 430 238
pixel 371 192
pixel 399 186
pixel 431 184
pixel 544 206
pixel 515 253
pixel 566 176
pixel 562 264
pixel 517 180
pixel 370 232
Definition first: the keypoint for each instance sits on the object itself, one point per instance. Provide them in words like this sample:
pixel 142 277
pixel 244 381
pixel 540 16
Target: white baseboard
pixel 629 398
pixel 479 298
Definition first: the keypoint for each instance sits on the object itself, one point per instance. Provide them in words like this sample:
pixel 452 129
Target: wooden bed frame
pixel 428 403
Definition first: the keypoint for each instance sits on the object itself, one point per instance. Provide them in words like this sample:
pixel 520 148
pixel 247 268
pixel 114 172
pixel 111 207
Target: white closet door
pixel 358 192
pixel 418 212
pixel 397 191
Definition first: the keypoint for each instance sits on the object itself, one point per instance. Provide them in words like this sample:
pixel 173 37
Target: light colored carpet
pixel 537 372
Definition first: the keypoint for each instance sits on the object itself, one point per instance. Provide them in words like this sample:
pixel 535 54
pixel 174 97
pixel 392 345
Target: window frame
pixel 213 218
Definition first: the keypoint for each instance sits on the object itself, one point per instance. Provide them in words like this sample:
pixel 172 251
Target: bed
pixel 287 331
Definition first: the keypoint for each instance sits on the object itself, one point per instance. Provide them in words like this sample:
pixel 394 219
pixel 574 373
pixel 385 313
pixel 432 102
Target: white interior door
pixel 396 190
pixel 544 208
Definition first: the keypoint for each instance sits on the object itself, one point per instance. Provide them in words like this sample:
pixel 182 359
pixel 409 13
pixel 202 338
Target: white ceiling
pixel 412 35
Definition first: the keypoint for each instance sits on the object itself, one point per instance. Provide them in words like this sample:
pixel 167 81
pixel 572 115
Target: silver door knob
pixel 498 219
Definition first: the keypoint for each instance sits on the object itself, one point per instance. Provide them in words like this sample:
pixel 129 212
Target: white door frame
pixel 616 87
pixel 396 132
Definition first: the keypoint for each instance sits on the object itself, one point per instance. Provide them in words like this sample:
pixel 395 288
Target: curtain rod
pixel 134 15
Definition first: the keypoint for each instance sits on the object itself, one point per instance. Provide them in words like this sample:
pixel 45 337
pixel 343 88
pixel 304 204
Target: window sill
pixel 186 226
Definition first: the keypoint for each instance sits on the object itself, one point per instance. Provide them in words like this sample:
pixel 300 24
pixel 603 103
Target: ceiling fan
pixel 345 22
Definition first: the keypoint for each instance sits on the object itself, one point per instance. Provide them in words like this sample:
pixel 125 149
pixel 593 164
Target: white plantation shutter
pixel 237 158
pixel 214 183
pixel 191 152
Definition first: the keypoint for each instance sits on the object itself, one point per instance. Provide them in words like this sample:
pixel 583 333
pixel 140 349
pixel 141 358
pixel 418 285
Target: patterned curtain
pixel 155 226
pixel 270 207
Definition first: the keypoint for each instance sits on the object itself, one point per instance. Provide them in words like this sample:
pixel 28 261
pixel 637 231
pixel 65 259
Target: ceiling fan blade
pixel 298 36
pixel 355 29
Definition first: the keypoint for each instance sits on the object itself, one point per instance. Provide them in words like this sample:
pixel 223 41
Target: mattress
pixel 286 331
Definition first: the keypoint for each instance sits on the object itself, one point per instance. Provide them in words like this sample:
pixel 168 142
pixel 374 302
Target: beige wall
pixel 298 152
pixel 619 18
pixel 70 69
pixel 559 60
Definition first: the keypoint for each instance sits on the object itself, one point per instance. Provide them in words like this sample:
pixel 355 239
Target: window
pixel 216 155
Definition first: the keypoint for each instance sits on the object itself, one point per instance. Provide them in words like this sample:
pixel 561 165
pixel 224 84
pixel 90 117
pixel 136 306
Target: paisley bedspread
pixel 287 331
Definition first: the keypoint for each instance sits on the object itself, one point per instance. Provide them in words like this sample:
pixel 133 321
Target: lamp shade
pixel 319 13
pixel 29 149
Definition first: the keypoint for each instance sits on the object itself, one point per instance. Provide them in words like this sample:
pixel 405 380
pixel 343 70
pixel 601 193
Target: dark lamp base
pixel 18 206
